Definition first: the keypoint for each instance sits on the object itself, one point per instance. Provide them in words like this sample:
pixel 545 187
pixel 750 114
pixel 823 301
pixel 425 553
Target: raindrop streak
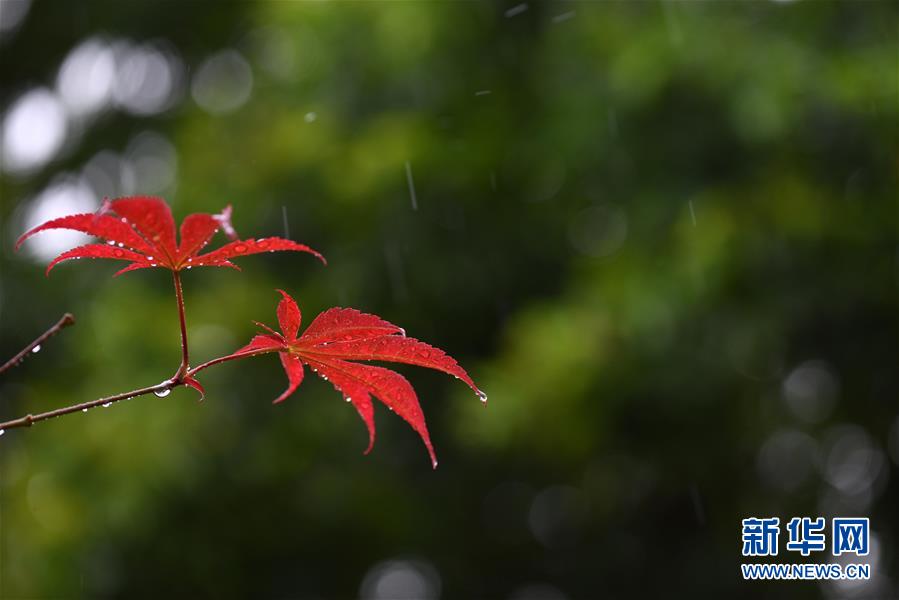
pixel 563 17
pixel 516 10
pixel 692 213
pixel 697 504
pixel 612 119
pixel 36 349
pixel 672 24
pixel 483 93
pixel 397 276
pixel 163 392
pixel 411 184
pixel 284 217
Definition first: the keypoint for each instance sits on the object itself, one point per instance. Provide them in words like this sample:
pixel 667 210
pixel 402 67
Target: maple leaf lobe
pixel 141 230
pixel 339 336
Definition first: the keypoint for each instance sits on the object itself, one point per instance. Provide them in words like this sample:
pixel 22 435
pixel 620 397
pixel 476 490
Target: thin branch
pixel 66 320
pixel 159 389
pixel 28 420
pixel 185 355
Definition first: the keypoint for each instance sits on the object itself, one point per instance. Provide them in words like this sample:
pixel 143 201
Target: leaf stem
pixel 221 359
pixel 66 320
pixel 185 355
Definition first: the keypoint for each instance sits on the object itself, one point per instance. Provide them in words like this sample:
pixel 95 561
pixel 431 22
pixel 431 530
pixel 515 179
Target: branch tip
pixel 35 346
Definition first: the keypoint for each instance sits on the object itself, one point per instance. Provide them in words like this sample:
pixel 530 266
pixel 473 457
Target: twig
pixel 66 320
pixel 159 389
pixel 28 420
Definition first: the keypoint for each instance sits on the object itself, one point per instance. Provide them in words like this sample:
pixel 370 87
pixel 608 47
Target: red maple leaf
pixel 141 230
pixel 339 335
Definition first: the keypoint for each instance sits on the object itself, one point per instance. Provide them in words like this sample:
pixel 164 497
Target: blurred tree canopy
pixel 661 236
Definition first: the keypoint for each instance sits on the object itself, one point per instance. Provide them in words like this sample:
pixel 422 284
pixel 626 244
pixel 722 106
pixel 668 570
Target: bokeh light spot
pixel 223 83
pixel 34 130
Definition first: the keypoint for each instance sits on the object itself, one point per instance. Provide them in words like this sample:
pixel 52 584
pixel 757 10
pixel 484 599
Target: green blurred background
pixel 661 236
